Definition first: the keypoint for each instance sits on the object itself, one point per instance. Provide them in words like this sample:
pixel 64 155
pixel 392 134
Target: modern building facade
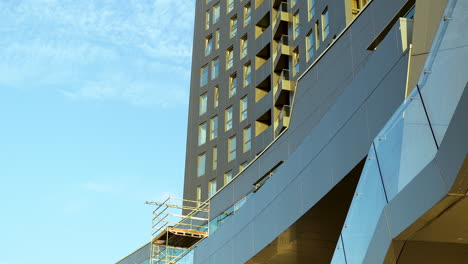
pixel 330 131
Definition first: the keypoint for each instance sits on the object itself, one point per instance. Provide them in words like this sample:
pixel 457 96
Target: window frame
pixel 214 125
pixel 201 137
pixel 228 116
pixel 325 26
pixel 247 136
pixel 203 104
pixel 201 157
pixel 232 148
pixel 243 108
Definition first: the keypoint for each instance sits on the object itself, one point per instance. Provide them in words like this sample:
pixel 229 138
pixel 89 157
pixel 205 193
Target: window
pixel 198 195
pixel 204 75
pixel 216 9
pixel 296 62
pixel 243 166
pixel 325 25
pixel 214 68
pixel 230 5
pixel 215 158
pixel 232 85
pixel 310 45
pixel 216 96
pixel 202 106
pixel 311 8
pixel 247 72
pixel 317 35
pixel 229 58
pixel 232 148
pixel 202 134
pixel 244 46
pixel 227 177
pixel 356 6
pixel 217 39
pixel 208 45
pixel 247 138
pixel 243 108
pixel 207 19
pixel 247 14
pixel 201 164
pixel 228 118
pixel 233 26
pixel 297 28
pixel 211 188
pixel 214 127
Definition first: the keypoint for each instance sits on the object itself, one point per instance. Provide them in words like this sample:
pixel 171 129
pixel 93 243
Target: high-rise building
pixel 330 131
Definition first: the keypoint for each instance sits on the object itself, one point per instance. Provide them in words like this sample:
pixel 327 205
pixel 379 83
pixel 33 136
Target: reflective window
pixel 297 28
pixel 310 45
pixel 247 138
pixel 198 195
pixel 204 75
pixel 228 118
pixel 227 177
pixel 207 19
pixel 211 188
pixel 203 103
pixel 208 45
pixel 215 158
pixel 215 68
pixel 244 46
pixel 232 148
pixel 201 162
pixel 232 85
pixel 233 26
pixel 247 74
pixel 217 39
pixel 216 97
pixel 214 127
pixel 229 58
pixel 242 166
pixel 202 134
pixel 243 108
pixel 296 62
pixel 325 25
pixel 311 4
pixel 247 14
pixel 216 11
pixel 230 5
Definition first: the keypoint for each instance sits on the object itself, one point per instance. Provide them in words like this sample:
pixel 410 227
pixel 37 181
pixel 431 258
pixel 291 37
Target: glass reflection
pixel 364 212
pixel 339 255
pixel 405 145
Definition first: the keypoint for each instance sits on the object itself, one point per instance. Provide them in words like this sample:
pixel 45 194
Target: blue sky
pixel 93 117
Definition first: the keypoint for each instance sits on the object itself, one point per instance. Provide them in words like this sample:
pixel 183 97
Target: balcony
pixel 282 89
pixel 281 20
pixel 281 54
pixel 282 120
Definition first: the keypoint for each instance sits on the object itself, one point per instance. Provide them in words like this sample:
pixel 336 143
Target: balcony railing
pixel 282 120
pixel 284 40
pixel 282 84
pixel 283 7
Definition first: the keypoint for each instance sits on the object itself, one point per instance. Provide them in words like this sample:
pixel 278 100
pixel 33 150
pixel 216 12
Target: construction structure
pixel 177 226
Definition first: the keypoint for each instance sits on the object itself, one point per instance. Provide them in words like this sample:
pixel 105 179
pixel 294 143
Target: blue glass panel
pixel 339 256
pixel 364 212
pixel 405 145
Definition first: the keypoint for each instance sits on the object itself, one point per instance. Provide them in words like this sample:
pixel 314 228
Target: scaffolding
pixel 177 226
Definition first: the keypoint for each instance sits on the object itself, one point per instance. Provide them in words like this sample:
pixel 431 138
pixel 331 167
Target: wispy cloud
pixel 79 47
